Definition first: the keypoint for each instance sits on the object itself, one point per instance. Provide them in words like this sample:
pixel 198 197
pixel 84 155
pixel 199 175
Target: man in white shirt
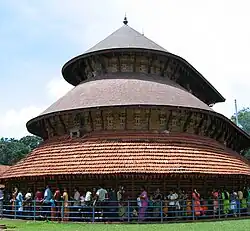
pixel 172 197
pixel 102 194
pixel 88 197
pixel 77 197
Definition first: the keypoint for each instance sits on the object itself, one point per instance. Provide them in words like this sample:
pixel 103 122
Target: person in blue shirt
pixel 47 202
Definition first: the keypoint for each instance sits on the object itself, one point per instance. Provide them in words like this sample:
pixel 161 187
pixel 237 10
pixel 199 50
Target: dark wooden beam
pixel 169 118
pixel 126 118
pixel 82 72
pixel 197 129
pixel 150 63
pixel 215 131
pixel 149 117
pixel 63 124
pixel 51 126
pixel 89 64
pixel 134 64
pixel 187 121
pixel 209 128
pixel 175 70
pixel 102 119
pixel 91 120
pixel 165 67
pixel 43 129
pixel 119 63
pixel 102 62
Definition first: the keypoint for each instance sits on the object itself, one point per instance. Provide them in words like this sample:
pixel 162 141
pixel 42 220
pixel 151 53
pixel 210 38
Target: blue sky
pixel 38 37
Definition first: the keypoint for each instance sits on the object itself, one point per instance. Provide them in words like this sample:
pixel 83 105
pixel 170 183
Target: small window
pixel 137 121
pixel 74 133
pixel 98 121
pixel 174 122
pixel 162 121
pixel 110 121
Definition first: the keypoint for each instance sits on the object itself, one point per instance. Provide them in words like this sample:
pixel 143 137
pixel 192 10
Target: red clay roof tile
pixel 110 153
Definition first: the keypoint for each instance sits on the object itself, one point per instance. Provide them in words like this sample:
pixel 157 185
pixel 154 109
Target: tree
pixel 13 150
pixel 244 121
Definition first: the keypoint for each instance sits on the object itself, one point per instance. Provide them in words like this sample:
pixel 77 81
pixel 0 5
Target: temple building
pixel 138 115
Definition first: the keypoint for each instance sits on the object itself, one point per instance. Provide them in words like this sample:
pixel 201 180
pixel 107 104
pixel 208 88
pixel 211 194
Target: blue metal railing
pixel 126 211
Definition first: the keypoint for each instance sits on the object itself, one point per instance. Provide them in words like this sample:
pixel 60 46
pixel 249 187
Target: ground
pixel 233 225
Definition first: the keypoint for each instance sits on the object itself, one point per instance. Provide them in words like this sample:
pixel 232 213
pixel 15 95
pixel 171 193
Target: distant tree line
pixel 244 122
pixel 12 150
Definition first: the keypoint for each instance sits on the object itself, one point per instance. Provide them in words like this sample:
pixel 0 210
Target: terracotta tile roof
pixel 128 89
pixel 130 153
pixel 3 168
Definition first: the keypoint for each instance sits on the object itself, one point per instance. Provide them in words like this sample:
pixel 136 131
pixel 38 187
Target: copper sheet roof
pixel 3 168
pixel 126 37
pixel 127 89
pixel 111 153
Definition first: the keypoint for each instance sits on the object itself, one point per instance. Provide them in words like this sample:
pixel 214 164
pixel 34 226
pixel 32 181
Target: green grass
pixel 233 225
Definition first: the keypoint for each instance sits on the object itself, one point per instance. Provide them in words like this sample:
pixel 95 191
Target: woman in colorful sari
pixel 215 196
pixel 197 204
pixel 225 196
pixel 144 204
pixel 65 209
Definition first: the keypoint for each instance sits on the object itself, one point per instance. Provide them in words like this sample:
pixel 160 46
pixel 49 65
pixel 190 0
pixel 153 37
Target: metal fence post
pixel 219 207
pixel 161 213
pixel 193 209
pixel 34 212
pixel 93 213
pixel 15 207
pixel 239 208
pixel 128 211
pixel 62 211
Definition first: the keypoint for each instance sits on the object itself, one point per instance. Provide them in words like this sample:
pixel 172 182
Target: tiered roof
pixel 3 169
pixel 125 153
pixel 126 89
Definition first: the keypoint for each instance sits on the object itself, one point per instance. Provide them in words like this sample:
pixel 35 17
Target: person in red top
pixel 197 205
pixel 39 201
pixel 57 198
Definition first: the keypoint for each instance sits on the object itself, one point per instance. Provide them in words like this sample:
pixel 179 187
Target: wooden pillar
pixel 178 182
pixel 164 184
pixel 133 187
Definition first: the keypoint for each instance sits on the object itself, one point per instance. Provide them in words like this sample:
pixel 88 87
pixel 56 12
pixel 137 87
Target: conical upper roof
pixel 126 37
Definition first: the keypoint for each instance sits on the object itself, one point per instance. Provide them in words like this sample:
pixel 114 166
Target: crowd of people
pixel 118 204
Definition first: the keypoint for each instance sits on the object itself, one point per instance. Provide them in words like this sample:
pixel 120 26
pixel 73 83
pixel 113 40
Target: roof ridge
pixel 126 37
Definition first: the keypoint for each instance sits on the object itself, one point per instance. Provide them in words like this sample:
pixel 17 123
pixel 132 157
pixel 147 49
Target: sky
pixel 38 37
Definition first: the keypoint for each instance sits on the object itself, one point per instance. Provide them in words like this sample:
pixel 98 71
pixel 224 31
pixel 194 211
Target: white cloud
pixel 13 122
pixel 58 87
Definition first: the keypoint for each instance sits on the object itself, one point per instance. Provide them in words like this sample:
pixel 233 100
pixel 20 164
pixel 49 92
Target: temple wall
pixel 137 62
pixel 203 185
pixel 154 119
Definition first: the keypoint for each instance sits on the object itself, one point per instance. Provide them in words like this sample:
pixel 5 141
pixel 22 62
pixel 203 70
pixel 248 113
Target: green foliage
pixel 13 150
pixel 244 121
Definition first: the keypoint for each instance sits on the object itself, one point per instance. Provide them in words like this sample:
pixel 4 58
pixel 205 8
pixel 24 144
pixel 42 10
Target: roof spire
pixel 125 21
